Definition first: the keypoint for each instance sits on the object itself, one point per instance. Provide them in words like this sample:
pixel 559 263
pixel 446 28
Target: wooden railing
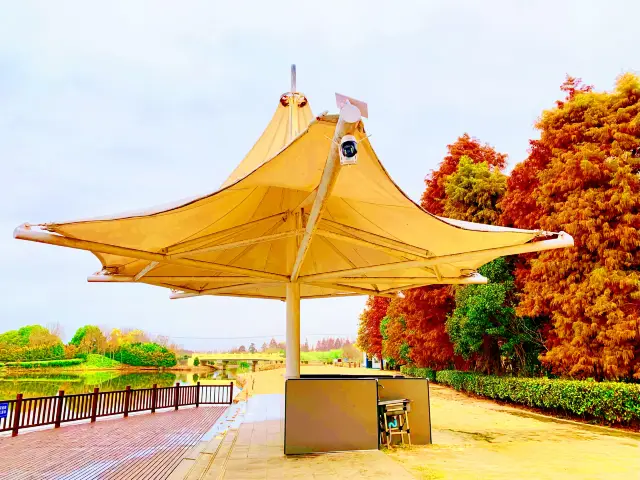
pixel 55 410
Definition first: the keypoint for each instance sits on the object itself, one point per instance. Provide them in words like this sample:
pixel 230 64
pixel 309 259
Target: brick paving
pixel 140 447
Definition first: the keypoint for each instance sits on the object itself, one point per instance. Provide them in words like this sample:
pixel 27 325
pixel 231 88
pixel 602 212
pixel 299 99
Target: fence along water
pixel 61 408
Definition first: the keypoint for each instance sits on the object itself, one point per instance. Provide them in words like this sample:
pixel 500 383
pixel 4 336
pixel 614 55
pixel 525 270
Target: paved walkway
pixel 253 449
pixel 146 446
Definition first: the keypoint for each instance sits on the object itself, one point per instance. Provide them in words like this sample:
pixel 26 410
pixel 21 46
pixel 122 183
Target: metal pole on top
pixel 293 78
pixel 292 99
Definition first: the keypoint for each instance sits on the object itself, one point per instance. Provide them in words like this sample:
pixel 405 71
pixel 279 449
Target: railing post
pixel 59 409
pixel 230 393
pixel 176 395
pixel 127 398
pixel 197 394
pixel 154 397
pixel 94 404
pixel 17 408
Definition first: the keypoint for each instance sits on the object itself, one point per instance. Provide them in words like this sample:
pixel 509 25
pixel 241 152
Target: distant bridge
pixel 234 358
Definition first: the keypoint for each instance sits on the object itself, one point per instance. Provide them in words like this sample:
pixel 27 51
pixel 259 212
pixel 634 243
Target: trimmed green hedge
pixel 46 363
pixel 12 353
pixel 418 372
pixel 612 402
pixel 146 355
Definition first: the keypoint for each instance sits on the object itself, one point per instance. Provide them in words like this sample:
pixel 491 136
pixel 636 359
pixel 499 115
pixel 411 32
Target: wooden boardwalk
pixel 146 446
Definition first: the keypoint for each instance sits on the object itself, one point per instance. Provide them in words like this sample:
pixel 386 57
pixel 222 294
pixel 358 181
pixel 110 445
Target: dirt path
pixel 479 439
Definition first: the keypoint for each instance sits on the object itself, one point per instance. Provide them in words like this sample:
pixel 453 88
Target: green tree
pixel 473 192
pixel 434 195
pixel 196 362
pixel 484 326
pixel 395 348
pixel 89 339
pixel 30 343
pixel 29 335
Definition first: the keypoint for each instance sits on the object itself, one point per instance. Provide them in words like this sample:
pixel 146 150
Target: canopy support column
pixel 293 331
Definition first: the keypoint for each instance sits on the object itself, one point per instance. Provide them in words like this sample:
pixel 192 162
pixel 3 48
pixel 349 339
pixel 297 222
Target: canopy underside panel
pixel 246 239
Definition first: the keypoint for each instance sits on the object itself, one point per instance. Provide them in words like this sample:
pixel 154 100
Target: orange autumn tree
pixel 588 185
pixel 434 195
pixel 519 205
pixel 395 347
pixel 424 311
pixel 369 336
pixel 520 208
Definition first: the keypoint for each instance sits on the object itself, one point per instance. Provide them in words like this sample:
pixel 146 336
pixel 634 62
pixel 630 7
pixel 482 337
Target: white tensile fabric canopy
pixel 291 222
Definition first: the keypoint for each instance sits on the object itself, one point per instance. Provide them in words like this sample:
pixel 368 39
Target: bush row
pixel 146 355
pixel 609 402
pixel 45 363
pixel 418 372
pixel 13 353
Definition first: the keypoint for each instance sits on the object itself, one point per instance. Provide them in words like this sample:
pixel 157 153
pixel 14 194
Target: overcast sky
pixel 130 104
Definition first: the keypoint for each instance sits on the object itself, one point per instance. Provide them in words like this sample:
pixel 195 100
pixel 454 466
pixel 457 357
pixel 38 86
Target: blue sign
pixel 4 410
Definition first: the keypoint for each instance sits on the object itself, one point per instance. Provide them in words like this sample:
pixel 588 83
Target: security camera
pixel 348 150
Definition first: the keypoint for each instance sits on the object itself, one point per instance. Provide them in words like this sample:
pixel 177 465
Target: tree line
pixel 132 347
pixel 572 312
pixel 273 346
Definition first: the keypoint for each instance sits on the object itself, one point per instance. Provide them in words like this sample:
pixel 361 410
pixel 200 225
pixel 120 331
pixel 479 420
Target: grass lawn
pixel 99 361
pixel 325 357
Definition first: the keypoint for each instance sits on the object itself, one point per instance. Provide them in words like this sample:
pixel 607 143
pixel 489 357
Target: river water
pixel 40 384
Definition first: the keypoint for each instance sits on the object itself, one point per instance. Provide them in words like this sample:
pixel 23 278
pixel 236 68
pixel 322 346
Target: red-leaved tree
pixel 369 337
pixel 425 311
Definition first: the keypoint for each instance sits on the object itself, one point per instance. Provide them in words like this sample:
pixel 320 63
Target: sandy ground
pixel 479 439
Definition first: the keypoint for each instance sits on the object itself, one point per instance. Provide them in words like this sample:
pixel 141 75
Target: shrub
pixel 146 355
pixel 414 371
pixel 46 363
pixel 196 362
pixel 611 402
pixel 31 353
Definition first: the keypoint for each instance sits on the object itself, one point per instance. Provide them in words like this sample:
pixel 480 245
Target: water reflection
pixel 47 384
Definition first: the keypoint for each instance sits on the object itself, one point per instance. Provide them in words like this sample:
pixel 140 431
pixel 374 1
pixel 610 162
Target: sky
pixel 110 107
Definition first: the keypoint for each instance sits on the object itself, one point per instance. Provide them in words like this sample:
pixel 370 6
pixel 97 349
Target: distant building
pixel 370 362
